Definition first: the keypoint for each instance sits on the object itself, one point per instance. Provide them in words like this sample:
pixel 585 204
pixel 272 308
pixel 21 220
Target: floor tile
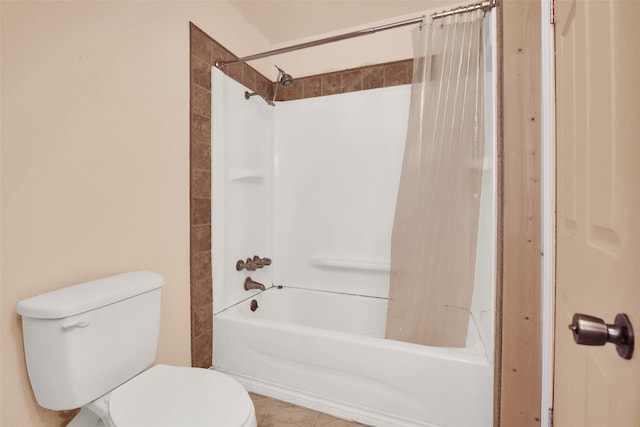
pixel 276 413
pixel 325 420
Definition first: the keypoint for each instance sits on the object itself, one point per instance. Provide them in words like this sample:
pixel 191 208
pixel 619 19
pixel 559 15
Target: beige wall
pixel 95 153
pixel 95 160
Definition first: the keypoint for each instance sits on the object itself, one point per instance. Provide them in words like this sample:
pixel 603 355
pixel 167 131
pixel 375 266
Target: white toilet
pixel 88 346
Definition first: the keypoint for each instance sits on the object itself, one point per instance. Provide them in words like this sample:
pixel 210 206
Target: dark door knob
pixel 590 330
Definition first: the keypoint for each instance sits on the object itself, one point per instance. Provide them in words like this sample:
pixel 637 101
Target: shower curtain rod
pixel 485 5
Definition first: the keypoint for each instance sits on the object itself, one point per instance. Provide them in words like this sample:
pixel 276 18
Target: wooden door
pixel 598 206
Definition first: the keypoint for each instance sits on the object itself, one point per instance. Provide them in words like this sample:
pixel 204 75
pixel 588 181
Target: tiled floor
pixel 275 413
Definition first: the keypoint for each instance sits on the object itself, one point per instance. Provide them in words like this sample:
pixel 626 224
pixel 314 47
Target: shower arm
pixel 248 95
pixel 485 5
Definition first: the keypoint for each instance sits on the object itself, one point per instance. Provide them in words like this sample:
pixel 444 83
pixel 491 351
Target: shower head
pixel 284 78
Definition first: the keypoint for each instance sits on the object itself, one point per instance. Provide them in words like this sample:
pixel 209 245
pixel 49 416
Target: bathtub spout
pixel 250 284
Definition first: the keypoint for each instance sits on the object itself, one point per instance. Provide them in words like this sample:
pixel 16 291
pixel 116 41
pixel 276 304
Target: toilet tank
pixel 83 341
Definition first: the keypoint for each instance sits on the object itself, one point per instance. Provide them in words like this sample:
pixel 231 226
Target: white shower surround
pixel 310 183
pixel 275 171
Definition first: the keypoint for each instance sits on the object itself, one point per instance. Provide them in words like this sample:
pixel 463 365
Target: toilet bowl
pixel 91 345
pixel 171 396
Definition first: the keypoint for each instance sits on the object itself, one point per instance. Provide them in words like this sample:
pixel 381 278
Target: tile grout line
pixel 315 422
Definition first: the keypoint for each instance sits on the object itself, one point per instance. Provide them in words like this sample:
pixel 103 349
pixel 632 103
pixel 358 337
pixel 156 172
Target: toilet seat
pixel 171 396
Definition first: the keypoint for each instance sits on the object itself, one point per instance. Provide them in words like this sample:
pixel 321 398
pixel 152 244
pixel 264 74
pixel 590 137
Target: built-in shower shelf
pixel 246 175
pixel 374 266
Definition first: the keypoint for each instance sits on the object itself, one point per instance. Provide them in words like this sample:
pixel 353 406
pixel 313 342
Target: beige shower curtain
pixel 433 245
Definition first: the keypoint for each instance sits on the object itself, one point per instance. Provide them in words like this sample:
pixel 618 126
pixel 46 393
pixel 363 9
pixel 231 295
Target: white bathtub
pixel 325 351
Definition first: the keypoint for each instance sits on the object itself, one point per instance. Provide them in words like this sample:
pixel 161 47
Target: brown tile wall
pixel 204 53
pixel 362 78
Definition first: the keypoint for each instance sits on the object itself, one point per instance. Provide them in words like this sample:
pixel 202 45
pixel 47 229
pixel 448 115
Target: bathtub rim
pixel 475 353
pixel 473 357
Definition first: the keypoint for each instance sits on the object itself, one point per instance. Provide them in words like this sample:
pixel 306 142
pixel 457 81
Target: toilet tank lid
pixel 87 296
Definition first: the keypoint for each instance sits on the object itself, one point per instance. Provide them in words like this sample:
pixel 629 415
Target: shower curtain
pixel 433 245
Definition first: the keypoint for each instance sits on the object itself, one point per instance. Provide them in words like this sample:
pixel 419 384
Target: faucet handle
pixel 251 266
pixel 248 264
pixel 261 262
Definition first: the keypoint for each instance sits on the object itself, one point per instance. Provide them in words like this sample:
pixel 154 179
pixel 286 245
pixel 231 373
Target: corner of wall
pixel 518 375
pixel 204 52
